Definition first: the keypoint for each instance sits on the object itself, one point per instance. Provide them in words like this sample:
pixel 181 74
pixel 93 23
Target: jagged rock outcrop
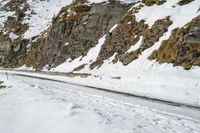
pixel 183 46
pixel 75 34
pixel 127 34
pixel 78 27
pixel 74 31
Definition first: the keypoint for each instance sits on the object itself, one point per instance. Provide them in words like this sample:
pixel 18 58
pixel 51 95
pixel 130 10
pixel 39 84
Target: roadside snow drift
pixel 41 106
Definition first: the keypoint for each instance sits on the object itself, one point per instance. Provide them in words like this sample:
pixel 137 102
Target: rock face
pixel 183 46
pixel 127 34
pixel 78 27
pixel 13 46
pixel 72 36
pixel 74 31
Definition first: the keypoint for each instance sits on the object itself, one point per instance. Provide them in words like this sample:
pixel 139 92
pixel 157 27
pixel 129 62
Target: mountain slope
pixel 148 47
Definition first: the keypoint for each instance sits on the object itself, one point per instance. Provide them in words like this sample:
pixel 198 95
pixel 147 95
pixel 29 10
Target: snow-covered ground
pixel 37 106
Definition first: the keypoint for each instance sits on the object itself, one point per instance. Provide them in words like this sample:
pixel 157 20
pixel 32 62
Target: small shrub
pixel 152 2
pixel 112 1
pixel 79 1
pixel 81 8
pixel 2 86
pixel 184 2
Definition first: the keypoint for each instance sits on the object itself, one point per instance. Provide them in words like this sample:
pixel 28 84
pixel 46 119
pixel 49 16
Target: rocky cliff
pixel 77 28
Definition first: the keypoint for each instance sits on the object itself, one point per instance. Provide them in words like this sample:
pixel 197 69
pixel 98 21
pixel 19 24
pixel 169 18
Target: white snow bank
pixel 179 14
pixel 13 36
pixel 136 46
pixel 24 67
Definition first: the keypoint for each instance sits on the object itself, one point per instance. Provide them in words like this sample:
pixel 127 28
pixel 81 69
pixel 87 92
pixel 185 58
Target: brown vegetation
pixel 2 86
pixel 184 2
pixel 152 2
pixel 182 48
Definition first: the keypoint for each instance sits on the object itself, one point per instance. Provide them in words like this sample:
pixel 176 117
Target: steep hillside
pixel 148 47
pixel 33 28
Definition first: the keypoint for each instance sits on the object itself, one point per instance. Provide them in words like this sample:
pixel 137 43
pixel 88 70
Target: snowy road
pixel 31 105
